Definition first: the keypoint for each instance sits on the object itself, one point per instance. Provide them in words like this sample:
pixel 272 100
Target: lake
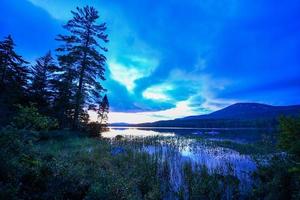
pixel 196 146
pixel 232 134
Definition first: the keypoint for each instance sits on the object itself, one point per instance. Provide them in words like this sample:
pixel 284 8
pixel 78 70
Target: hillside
pixel 239 115
pixel 249 111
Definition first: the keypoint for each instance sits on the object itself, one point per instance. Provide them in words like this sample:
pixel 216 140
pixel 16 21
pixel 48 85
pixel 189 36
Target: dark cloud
pixel 32 28
pixel 286 89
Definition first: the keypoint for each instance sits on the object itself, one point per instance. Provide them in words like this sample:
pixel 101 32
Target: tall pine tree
pixel 13 77
pixel 13 73
pixel 83 49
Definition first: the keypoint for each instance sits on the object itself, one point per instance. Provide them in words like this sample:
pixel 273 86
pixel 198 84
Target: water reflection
pixel 113 132
pixel 178 150
pixel 236 135
pixel 216 159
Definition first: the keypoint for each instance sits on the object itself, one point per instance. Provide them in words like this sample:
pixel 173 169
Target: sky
pixel 173 58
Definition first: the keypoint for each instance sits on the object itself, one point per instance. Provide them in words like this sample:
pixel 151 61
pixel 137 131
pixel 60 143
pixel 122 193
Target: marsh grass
pixel 180 151
pixel 69 165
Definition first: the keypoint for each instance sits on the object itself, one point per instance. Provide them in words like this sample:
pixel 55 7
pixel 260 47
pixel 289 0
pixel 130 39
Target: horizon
pixel 290 105
pixel 165 64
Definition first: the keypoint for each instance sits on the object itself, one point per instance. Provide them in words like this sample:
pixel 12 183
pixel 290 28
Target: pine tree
pixel 40 89
pixel 13 77
pixel 63 87
pixel 88 63
pixel 103 111
pixel 13 73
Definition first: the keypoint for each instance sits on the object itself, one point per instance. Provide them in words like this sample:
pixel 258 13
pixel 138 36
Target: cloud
pixel 124 75
pixel 130 69
pixel 32 28
pixel 158 92
pixel 60 10
pixel 180 110
pixel 206 54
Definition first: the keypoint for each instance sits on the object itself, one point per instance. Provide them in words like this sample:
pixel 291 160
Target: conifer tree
pixel 103 111
pixel 63 87
pixel 13 73
pixel 83 49
pixel 40 89
pixel 13 78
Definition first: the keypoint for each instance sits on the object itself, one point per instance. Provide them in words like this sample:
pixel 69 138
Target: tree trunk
pixel 3 75
pixel 79 90
pixel 78 98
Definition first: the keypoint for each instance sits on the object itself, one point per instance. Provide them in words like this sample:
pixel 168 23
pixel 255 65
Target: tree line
pixel 65 86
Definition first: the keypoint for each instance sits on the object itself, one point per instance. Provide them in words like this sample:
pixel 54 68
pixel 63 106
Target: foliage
pixel 94 129
pixel 63 87
pixel 13 79
pixel 41 91
pixel 16 160
pixel 289 138
pixel 29 118
pixel 13 73
pixel 119 137
pixel 63 92
pixel 275 180
pixel 280 177
pixel 72 168
pixel 103 110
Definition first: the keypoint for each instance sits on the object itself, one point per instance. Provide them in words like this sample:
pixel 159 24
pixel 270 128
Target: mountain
pixel 119 124
pixel 249 111
pixel 239 115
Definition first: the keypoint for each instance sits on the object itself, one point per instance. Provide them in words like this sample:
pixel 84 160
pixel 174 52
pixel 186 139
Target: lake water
pixel 236 135
pixel 178 148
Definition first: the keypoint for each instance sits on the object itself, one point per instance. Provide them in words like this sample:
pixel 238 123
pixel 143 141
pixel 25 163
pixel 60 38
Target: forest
pixel 61 88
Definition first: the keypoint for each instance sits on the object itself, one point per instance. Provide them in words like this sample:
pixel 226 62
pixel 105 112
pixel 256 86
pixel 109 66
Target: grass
pixel 258 148
pixel 73 167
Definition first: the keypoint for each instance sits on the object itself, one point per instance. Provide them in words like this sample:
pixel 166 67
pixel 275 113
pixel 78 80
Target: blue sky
pixel 174 58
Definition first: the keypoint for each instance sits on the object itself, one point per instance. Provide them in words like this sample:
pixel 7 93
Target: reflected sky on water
pixel 180 150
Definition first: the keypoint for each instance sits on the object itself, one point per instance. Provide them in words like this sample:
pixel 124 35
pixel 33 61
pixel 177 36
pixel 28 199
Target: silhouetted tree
pixel 13 76
pixel 63 87
pixel 13 72
pixel 82 49
pixel 103 110
pixel 40 89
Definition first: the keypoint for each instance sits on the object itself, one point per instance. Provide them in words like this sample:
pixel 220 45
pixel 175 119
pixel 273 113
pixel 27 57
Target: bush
pixel 289 138
pixel 275 180
pixel 29 118
pixel 93 129
pixel 119 137
pixel 17 161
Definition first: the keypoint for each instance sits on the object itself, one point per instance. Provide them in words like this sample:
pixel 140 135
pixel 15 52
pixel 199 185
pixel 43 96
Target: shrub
pixel 29 118
pixel 93 129
pixel 275 181
pixel 17 161
pixel 119 137
pixel 289 138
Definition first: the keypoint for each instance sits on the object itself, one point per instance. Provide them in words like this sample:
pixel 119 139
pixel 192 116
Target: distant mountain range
pixel 249 111
pixel 239 115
